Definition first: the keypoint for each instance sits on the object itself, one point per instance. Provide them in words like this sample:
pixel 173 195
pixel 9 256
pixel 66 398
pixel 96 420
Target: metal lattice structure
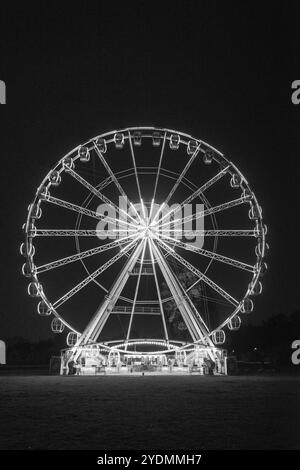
pixel 150 241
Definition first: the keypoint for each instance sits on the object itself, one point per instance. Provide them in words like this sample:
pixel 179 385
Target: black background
pixel 221 71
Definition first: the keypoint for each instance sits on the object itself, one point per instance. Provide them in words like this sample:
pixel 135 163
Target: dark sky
pixel 221 73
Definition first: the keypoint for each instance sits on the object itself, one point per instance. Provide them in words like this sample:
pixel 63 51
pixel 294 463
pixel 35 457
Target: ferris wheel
pixel 137 223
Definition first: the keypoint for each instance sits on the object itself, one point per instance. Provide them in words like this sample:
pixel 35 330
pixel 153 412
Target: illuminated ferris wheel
pixel 135 227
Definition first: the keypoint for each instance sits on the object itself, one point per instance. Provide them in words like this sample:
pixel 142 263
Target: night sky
pixel 220 73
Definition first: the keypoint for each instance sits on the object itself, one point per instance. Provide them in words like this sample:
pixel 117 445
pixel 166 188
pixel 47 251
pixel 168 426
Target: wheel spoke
pixel 198 191
pixel 93 275
pixel 211 299
pixel 83 210
pixel 78 233
pixel 159 167
pixel 84 254
pixel 211 254
pixel 97 193
pixel 72 207
pixel 114 179
pixel 177 183
pixel 211 210
pixel 199 274
pixel 214 233
pixel 134 166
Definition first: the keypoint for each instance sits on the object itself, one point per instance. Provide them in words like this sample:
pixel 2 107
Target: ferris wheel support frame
pixel 161 247
pixel 96 324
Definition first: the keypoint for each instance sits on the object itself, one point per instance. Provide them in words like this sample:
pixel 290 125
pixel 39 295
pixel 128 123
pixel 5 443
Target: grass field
pixel 169 412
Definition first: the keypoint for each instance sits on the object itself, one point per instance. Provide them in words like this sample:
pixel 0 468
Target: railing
pixel 137 310
pixel 145 271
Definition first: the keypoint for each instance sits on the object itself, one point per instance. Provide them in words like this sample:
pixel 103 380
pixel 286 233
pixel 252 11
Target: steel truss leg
pixel 96 324
pixel 158 294
pixel 196 330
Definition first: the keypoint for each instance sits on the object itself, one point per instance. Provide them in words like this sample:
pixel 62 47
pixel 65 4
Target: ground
pixel 144 412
